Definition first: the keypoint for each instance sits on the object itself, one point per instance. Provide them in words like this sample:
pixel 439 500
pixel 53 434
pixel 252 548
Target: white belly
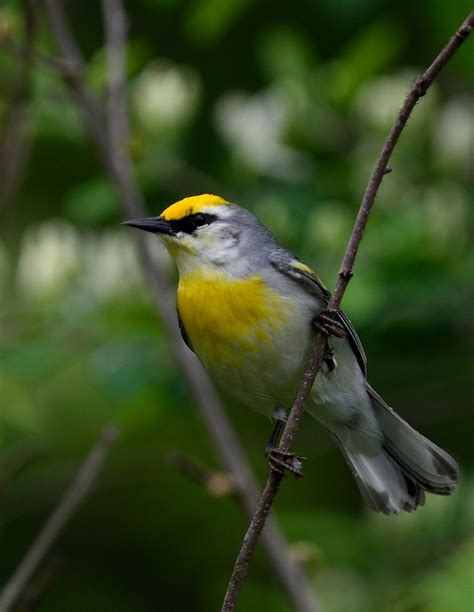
pixel 267 375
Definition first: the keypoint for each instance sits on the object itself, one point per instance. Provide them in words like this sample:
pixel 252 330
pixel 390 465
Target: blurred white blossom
pixel 56 257
pixel 111 265
pixel 254 126
pixel 50 256
pixel 446 212
pixel 378 101
pixel 165 95
pixel 454 133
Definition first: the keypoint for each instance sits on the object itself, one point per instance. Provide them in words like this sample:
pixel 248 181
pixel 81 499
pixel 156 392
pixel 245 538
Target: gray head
pixel 206 232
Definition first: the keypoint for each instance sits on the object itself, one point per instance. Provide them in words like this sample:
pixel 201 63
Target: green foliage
pixel 92 202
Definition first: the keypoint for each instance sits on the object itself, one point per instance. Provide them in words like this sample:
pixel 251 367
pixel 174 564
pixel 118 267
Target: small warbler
pixel 250 309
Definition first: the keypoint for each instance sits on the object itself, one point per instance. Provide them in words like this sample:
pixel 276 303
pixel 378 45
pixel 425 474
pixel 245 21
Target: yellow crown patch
pixel 191 206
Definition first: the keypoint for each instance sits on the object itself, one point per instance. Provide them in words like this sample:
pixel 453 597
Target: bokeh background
pixel 281 107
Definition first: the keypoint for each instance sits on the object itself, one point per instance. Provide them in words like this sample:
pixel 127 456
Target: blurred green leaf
pixel 208 20
pixel 370 52
pixel 91 203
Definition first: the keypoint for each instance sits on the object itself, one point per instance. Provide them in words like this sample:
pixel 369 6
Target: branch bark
pixel 111 142
pixel 78 491
pixel 418 89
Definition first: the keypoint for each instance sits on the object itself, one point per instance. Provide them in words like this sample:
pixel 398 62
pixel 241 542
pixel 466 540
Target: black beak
pixel 155 225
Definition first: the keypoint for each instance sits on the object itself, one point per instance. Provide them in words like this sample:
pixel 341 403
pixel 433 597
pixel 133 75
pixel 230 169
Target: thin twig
pixel 217 484
pixel 15 137
pixel 419 88
pixel 228 448
pixel 23 51
pixel 44 579
pixel 116 38
pixel 77 492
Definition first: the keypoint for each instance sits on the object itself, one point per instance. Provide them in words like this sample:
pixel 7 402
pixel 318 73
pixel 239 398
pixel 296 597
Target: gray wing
pixel 184 333
pixel 302 274
pixel 354 341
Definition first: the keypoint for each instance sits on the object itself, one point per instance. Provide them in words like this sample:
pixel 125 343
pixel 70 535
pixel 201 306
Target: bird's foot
pixel 327 324
pixel 283 462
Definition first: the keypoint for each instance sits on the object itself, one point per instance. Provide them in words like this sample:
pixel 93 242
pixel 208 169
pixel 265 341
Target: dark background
pixel 282 108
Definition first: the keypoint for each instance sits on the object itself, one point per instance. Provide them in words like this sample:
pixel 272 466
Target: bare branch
pixel 77 492
pixel 117 164
pixel 217 484
pixel 15 136
pixel 42 582
pixel 116 37
pixel 419 89
pixel 23 51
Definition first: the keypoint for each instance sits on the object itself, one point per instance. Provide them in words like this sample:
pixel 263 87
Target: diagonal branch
pixel 77 492
pixel 111 140
pixel 24 51
pixel 418 89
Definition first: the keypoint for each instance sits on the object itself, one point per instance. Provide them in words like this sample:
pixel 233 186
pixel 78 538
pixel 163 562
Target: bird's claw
pixel 283 462
pixel 327 324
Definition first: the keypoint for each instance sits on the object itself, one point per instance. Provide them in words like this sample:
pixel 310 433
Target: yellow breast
pixel 225 317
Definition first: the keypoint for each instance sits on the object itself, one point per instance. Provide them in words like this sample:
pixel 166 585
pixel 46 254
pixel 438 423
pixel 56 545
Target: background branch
pixel 112 146
pixel 78 491
pixel 26 50
pixel 418 89
pixel 217 484
pixel 15 134
pixel 40 584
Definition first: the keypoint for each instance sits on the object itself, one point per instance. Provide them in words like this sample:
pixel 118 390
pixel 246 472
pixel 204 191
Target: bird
pixel 250 310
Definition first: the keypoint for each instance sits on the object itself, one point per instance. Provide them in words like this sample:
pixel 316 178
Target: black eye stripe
pixel 190 223
pixel 200 219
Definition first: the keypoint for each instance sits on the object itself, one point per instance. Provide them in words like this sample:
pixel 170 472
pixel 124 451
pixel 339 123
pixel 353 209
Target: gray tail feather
pixel 419 458
pixel 407 465
pixel 383 484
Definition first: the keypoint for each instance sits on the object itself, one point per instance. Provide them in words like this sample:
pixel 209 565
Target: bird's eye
pixel 199 220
